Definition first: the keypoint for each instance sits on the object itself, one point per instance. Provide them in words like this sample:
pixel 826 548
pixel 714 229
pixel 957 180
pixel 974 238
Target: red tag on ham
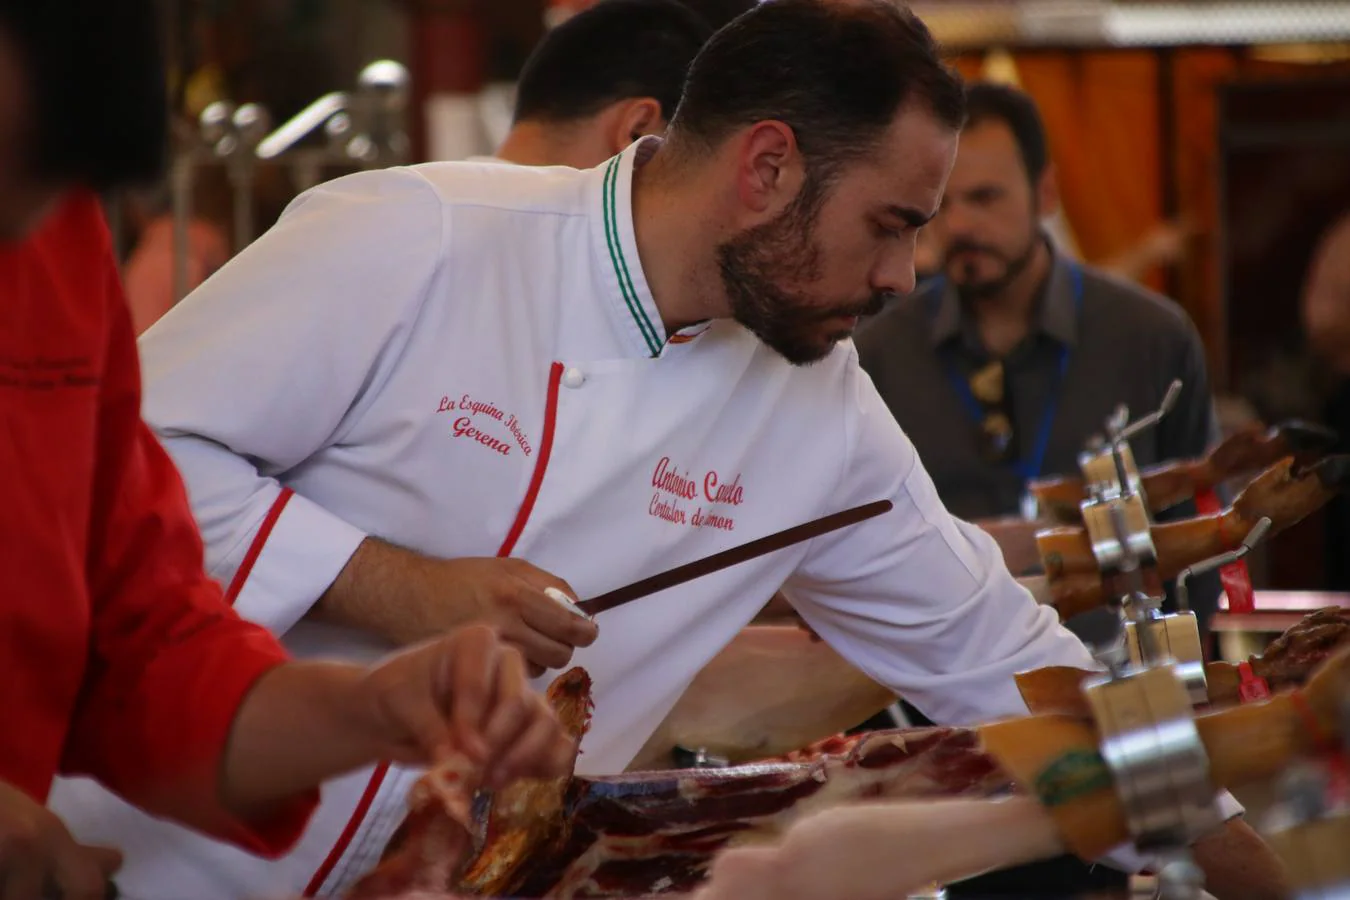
pixel 1338 786
pixel 1251 687
pixel 1237 583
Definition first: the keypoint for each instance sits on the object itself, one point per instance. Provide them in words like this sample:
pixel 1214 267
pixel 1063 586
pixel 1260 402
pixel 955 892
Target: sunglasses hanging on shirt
pixel 997 437
pixel 985 396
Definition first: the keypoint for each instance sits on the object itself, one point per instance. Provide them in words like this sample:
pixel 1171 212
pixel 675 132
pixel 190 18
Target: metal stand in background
pixel 365 129
pixel 250 125
pixel 1115 512
pixel 225 135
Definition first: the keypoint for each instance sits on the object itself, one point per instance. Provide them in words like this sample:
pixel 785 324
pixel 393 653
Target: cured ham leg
pixel 1244 744
pixel 1242 454
pixel 1282 493
pixel 771 690
pixel 1287 663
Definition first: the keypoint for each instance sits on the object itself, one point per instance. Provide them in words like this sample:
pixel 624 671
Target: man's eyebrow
pixel 910 216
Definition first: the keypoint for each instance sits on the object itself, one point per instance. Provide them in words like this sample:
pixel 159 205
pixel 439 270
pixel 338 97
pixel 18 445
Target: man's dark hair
pixel 616 50
pixel 837 73
pixel 718 13
pixel 990 102
pixel 97 88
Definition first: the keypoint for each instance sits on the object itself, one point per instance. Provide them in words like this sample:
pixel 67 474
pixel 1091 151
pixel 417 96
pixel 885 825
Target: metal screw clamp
pixel 1157 760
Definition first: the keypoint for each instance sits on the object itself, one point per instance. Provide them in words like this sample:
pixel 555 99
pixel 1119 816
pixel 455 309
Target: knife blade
pixel 734 556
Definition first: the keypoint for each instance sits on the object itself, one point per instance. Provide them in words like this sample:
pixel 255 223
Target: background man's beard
pixel 979 290
pixel 755 265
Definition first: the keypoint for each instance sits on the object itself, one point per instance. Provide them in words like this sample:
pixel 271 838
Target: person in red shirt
pixel 119 658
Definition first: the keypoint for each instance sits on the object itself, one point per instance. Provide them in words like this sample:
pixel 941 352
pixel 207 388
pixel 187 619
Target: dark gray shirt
pixel 1124 344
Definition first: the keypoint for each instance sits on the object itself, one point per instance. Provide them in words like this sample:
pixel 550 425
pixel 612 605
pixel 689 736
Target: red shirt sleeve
pixel 169 661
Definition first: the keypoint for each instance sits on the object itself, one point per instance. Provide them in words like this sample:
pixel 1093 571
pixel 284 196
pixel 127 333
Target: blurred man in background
pixel 1002 369
pixel 601 80
pixel 1326 322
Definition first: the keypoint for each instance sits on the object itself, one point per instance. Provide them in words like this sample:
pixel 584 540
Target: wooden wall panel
pixel 1197 75
pixel 1101 115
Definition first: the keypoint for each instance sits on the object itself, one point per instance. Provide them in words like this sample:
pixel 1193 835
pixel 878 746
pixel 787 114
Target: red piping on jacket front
pixel 522 517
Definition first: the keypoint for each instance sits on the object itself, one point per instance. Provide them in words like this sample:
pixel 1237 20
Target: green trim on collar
pixel 630 296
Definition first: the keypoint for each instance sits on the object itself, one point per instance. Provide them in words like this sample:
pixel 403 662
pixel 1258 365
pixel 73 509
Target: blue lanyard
pixel 1029 468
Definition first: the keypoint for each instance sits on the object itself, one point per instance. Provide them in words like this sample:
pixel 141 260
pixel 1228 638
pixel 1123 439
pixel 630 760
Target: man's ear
pixel 636 118
pixel 769 169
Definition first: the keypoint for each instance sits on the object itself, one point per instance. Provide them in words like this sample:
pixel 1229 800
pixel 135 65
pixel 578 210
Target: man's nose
pixel 895 274
pixel 953 222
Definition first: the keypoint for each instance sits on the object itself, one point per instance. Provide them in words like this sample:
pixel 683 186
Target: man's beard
pixel 757 266
pixel 1012 267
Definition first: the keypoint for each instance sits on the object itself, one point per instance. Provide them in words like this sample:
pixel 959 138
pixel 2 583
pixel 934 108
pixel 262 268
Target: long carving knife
pixel 727 558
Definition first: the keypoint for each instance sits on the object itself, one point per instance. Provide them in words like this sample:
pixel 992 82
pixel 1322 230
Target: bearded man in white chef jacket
pixel 429 393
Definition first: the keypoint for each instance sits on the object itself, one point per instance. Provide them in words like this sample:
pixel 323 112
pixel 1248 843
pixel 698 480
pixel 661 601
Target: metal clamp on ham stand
pixel 1309 827
pixel 1108 464
pixel 1144 707
pixel 1177 634
pixel 1118 523
pixel 1149 741
pixel 1154 637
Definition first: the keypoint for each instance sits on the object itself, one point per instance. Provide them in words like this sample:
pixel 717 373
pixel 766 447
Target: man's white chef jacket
pixel 465 359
